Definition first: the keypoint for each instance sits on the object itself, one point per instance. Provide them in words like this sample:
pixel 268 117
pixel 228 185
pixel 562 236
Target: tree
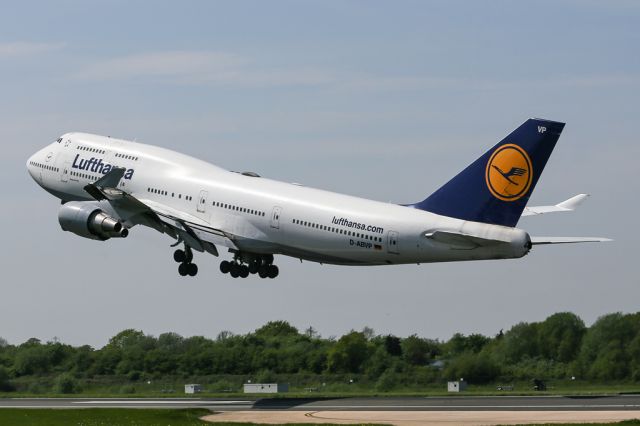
pixel 560 336
pixel 520 342
pixel 605 352
pixel 418 351
pixel 31 359
pixel 349 353
pixel 5 384
pixel 392 345
pixel 476 368
pixel 276 329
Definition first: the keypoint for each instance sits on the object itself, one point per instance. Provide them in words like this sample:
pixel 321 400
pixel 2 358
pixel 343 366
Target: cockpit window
pixel 59 140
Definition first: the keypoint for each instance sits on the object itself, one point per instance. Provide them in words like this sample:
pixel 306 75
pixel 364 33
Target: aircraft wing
pixel 567 240
pixel 197 233
pixel 566 206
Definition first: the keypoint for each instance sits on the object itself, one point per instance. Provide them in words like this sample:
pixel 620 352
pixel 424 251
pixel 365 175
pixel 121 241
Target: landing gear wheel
pixel 254 267
pixel 225 267
pixel 244 271
pixel 235 270
pixel 192 269
pixel 273 271
pixel 183 269
pixel 179 256
pixel 263 271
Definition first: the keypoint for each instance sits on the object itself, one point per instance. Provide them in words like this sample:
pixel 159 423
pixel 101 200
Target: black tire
pixel 179 256
pixel 244 271
pixel 225 267
pixel 263 272
pixel 254 267
pixel 235 270
pixel 192 269
pixel 273 271
pixel 183 269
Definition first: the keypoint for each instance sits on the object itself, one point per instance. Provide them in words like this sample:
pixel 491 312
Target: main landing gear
pixel 243 264
pixel 185 259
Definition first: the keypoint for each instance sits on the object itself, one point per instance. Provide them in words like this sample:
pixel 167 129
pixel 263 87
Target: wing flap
pixel 196 232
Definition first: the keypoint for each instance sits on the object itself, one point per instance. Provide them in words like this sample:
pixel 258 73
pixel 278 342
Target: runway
pixel 456 403
pixel 405 411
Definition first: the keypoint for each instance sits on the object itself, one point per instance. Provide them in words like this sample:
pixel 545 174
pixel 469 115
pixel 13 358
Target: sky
pixel 380 99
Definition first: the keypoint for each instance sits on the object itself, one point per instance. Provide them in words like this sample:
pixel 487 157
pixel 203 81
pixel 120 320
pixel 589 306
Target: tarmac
pixel 454 410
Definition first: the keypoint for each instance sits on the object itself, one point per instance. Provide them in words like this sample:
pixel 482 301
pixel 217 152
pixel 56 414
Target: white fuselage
pixel 261 215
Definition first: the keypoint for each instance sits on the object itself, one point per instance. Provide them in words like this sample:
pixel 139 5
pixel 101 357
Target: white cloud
pixel 198 67
pixel 172 64
pixel 24 48
pixel 225 69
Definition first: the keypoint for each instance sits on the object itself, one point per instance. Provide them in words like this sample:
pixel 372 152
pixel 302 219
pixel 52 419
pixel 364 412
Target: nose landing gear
pixel 243 265
pixel 185 258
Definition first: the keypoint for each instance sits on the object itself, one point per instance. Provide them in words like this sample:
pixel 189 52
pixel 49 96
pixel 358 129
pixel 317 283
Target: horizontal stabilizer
pixel 566 206
pixel 567 240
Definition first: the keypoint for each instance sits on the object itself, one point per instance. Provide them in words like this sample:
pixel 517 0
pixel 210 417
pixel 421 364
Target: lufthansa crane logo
pixel 509 173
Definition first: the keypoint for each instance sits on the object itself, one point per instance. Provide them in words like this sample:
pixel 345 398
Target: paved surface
pixel 414 418
pixel 457 403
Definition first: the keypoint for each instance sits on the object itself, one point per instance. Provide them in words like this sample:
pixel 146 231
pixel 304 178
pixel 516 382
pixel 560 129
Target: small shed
pixel 266 387
pixel 192 388
pixel 456 386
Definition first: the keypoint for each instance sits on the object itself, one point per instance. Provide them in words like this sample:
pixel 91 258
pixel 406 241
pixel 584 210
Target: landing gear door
pixel 392 243
pixel 64 173
pixel 202 202
pixel 275 217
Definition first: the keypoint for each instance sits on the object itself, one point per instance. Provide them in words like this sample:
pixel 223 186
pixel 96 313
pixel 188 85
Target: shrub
pixel 66 383
pixel 5 384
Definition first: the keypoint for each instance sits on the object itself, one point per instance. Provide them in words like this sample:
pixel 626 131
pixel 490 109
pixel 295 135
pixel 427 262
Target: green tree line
pixel 560 347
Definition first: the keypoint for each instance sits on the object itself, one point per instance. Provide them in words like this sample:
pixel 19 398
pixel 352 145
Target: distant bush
pixel 66 383
pixel 387 381
pixel 36 388
pixel 127 389
pixel 5 383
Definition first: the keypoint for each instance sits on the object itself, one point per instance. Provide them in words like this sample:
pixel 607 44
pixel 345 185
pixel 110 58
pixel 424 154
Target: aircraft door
pixel 202 202
pixel 275 217
pixel 64 172
pixel 392 242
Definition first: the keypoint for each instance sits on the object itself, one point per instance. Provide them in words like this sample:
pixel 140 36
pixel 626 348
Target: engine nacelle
pixel 86 219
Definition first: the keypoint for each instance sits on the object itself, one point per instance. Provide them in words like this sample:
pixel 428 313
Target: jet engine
pixel 86 219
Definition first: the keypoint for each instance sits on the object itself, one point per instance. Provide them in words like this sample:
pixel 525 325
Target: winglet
pixel 566 206
pixel 573 202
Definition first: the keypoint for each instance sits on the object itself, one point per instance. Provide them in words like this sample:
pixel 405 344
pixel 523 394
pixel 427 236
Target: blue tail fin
pixel 496 187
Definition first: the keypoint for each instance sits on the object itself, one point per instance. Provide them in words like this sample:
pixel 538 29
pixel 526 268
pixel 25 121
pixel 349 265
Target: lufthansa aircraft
pixel 107 186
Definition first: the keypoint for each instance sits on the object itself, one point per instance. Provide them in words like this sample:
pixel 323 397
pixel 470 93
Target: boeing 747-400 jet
pixel 107 186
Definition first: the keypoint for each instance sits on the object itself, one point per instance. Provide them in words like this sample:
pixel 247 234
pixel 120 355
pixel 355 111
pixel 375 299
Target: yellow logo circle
pixel 509 173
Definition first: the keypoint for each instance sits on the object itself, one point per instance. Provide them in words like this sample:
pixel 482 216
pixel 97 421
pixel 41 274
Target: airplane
pixel 107 186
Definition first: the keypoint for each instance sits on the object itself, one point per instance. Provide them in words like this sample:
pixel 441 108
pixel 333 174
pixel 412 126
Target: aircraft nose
pixel 29 165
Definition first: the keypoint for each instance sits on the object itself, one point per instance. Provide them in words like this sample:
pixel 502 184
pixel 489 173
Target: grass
pixel 102 417
pixel 108 417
